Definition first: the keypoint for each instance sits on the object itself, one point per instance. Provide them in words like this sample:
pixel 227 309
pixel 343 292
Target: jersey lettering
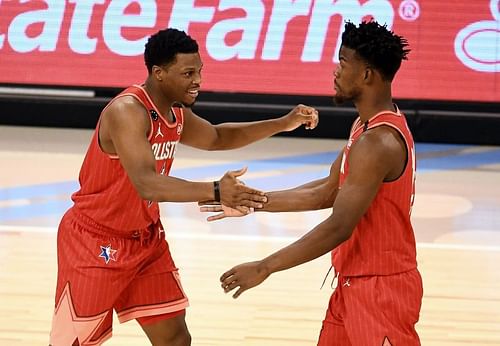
pixel 164 150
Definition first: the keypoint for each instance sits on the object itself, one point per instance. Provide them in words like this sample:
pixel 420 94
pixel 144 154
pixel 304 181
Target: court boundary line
pixel 263 238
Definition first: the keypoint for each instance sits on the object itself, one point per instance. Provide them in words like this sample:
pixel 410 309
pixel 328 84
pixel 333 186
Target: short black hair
pixel 377 45
pixel 163 46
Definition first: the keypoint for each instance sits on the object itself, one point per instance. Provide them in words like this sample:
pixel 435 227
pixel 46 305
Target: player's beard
pixel 340 98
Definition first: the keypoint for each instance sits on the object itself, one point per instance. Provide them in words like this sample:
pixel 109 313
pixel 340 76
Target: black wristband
pixel 216 191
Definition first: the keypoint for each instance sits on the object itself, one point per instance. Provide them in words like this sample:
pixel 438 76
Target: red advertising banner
pixel 255 46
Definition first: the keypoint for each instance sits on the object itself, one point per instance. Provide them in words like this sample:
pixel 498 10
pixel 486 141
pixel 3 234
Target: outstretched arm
pixel 373 158
pixel 315 195
pixel 201 134
pixel 123 131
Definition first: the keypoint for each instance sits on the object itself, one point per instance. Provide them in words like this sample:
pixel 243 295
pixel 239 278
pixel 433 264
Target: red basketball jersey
pixel 383 242
pixel 106 195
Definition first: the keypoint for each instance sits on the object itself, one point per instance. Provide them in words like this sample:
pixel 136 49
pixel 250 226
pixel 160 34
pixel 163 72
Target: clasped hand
pixel 223 210
pixel 301 115
pixel 236 199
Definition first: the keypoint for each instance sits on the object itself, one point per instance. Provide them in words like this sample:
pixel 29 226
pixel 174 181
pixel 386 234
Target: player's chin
pixel 189 103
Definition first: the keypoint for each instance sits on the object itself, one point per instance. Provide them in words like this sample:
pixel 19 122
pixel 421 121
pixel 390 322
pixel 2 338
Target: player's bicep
pixel 198 132
pixel 368 166
pixel 334 177
pixel 128 131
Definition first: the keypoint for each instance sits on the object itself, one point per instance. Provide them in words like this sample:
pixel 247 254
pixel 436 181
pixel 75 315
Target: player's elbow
pixel 344 234
pixel 336 232
pixel 324 202
pixel 320 200
pixel 146 190
pixel 146 194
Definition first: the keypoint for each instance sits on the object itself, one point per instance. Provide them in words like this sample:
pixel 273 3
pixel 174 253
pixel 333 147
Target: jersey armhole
pixel 179 113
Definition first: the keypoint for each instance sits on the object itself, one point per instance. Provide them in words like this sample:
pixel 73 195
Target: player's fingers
pixel 226 275
pixel 239 292
pixel 312 124
pixel 238 172
pixel 241 209
pixel 302 108
pixel 227 284
pixel 310 114
pixel 306 109
pixel 211 208
pixel 308 119
pixel 230 287
pixel 216 217
pixel 256 196
pixel 246 203
pixel 244 210
pixel 247 191
pixel 316 117
pixel 313 121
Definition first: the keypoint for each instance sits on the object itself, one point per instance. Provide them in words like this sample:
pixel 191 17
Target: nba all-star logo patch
pixel 108 253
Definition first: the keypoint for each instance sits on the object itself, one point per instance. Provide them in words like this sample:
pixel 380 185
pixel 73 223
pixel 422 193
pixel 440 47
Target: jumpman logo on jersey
pixel 158 133
pixel 108 253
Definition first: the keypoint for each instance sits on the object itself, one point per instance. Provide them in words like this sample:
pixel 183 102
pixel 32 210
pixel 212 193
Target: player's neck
pixel 371 104
pixel 159 100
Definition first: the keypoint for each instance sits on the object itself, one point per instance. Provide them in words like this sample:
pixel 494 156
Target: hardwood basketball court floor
pixel 456 219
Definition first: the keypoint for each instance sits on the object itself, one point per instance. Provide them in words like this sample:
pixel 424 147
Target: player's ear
pixel 157 73
pixel 369 74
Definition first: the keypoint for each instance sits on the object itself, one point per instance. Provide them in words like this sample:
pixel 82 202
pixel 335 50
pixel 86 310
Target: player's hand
pixel 301 115
pixel 235 194
pixel 243 277
pixel 222 210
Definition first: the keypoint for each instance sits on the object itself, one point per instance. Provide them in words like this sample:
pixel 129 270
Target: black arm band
pixel 216 191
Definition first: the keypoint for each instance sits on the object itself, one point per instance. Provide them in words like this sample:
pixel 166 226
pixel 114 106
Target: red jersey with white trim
pixel 106 193
pixel 383 241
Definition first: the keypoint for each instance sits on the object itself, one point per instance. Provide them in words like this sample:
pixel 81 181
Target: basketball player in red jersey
pixel 371 188
pixel 112 252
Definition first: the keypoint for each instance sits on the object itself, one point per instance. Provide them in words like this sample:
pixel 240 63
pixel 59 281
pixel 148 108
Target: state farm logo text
pixel 119 15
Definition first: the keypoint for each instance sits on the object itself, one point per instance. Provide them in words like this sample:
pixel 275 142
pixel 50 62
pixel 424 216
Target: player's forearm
pixel 310 196
pixel 161 188
pixel 322 239
pixel 237 135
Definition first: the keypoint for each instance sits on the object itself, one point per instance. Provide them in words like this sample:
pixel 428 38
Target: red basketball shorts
pixel 374 311
pixel 99 271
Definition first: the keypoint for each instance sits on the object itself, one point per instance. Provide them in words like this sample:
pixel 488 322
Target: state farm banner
pixel 255 46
